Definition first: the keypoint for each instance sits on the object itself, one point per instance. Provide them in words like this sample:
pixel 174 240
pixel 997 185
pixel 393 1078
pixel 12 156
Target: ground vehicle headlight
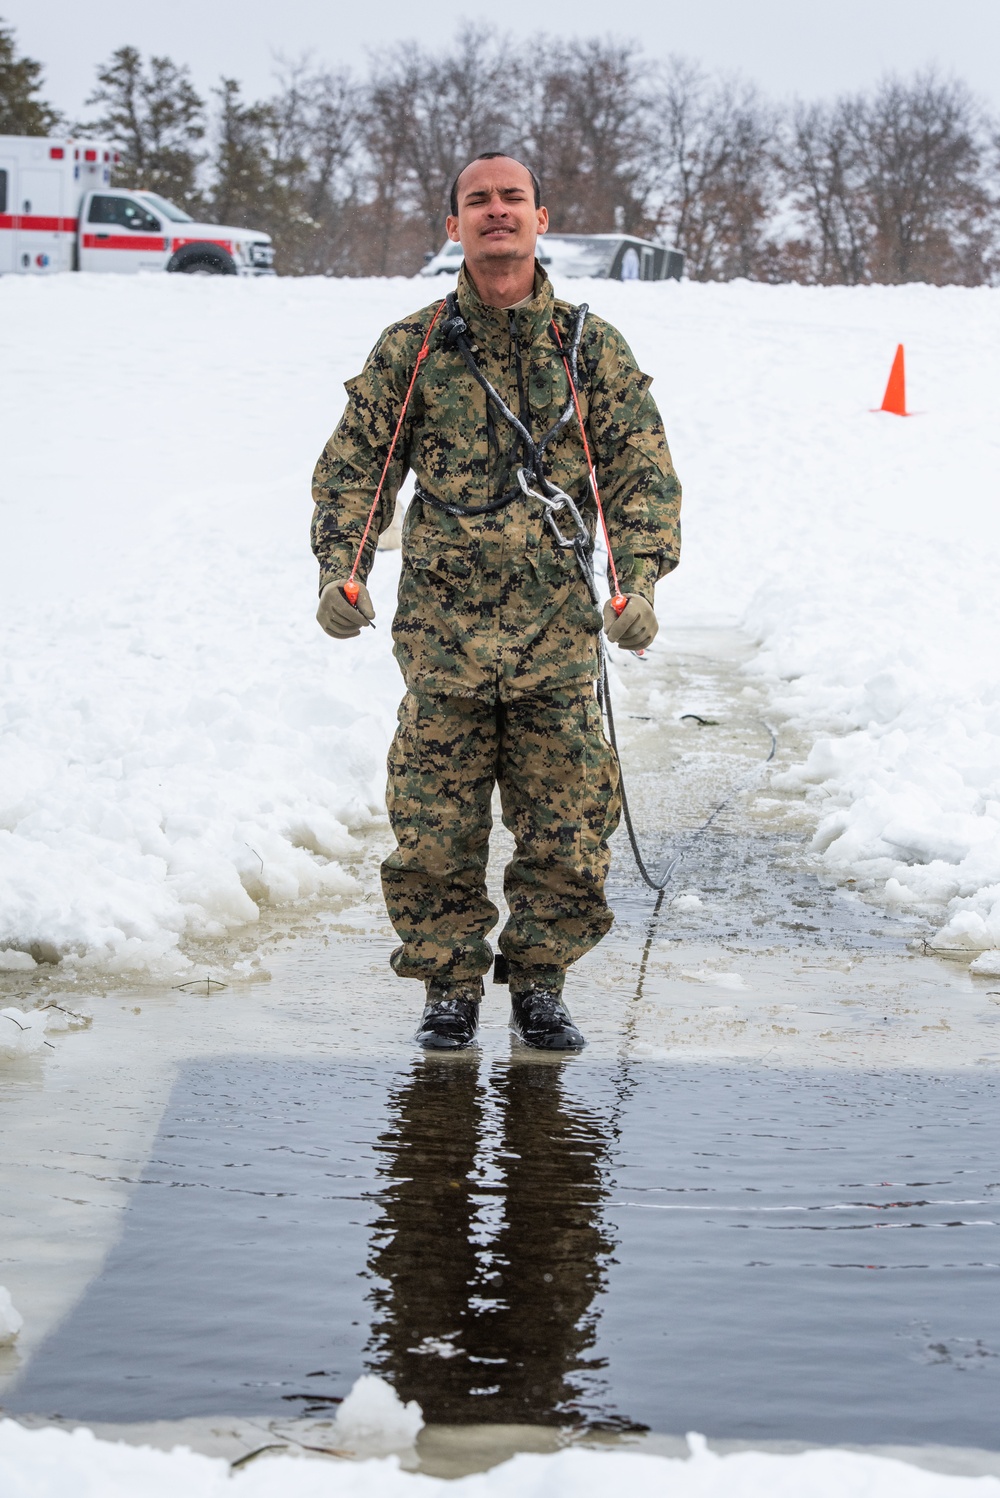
pixel 261 254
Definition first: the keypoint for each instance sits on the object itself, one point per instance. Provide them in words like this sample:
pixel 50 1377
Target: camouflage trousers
pixel 558 779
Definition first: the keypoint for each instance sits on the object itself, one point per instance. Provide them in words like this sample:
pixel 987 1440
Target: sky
pixel 809 48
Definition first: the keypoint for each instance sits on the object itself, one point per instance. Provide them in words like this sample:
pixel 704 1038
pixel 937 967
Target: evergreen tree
pixel 21 111
pixel 154 111
pixel 245 186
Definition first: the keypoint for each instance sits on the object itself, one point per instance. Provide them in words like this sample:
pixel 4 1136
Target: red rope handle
pixel 618 601
pixel 351 588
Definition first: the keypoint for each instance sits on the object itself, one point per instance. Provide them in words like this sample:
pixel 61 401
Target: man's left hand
pixel 635 627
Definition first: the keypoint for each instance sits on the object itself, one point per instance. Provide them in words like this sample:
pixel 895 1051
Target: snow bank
pixel 860 550
pixel 52 1463
pixel 178 741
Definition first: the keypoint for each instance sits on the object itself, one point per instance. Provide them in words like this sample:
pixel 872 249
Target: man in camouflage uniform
pixel 495 631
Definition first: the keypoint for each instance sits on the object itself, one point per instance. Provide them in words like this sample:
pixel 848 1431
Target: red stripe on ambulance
pixel 36 221
pixel 123 242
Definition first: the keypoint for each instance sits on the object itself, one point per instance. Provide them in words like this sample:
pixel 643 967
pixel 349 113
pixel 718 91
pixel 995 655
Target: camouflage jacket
pixel 489 605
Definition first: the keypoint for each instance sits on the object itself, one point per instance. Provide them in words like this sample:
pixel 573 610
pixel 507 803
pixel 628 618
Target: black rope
pixel 454 330
pixel 674 865
pixel 647 878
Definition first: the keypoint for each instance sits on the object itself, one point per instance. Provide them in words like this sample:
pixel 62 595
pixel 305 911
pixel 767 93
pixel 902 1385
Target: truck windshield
pixel 168 209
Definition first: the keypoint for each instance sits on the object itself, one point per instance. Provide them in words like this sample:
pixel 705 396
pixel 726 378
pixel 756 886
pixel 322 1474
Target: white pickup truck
pixel 60 212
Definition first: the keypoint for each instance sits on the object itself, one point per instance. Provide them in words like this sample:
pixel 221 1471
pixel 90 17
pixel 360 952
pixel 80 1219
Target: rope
pixel 590 464
pixel 392 448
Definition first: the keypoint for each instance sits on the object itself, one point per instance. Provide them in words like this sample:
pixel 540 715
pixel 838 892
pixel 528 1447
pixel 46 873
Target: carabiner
pixel 558 500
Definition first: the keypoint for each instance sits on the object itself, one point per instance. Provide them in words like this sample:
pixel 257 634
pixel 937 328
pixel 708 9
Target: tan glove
pixel 336 615
pixel 635 627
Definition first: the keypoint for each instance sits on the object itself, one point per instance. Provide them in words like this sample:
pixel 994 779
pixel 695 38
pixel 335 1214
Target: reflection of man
pixel 495 632
pixel 489 1275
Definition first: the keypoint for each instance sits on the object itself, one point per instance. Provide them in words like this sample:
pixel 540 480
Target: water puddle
pixel 514 1240
pixel 761 1205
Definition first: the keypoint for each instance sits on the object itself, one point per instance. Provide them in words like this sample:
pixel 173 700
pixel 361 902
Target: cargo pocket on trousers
pixel 602 803
pixel 403 798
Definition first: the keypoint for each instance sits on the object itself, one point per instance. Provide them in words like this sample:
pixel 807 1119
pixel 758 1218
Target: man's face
pixel 497 218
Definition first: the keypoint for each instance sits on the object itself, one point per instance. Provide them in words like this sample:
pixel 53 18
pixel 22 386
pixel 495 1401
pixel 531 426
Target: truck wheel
pixel 196 262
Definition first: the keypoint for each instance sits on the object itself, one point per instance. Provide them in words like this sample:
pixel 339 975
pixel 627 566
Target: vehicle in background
pixel 60 212
pixel 613 257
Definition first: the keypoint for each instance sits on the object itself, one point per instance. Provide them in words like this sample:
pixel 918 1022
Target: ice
pixel 13 961
pixel 11 1321
pixel 182 746
pixel 718 980
pixel 987 964
pixel 22 1033
pixel 53 1463
pixel 687 901
pixel 374 1418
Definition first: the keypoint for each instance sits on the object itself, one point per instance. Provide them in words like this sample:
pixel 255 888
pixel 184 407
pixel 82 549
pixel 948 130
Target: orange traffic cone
pixel 894 400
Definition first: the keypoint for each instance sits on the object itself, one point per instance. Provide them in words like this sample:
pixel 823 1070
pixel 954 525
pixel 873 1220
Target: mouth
pixel 497 232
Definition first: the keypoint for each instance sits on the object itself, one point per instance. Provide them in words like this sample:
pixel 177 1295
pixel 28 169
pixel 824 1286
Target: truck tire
pixel 203 260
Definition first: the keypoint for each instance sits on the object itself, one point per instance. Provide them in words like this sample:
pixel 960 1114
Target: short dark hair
pixel 492 156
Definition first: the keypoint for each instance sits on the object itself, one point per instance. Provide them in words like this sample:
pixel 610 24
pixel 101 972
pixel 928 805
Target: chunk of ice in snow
pixel 13 961
pixel 374 1418
pixel 66 1017
pixel 987 964
pixel 719 980
pixel 21 1034
pixel 11 1321
pixel 687 901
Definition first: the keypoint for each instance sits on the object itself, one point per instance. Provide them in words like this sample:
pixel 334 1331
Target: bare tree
pixel 822 173
pixel 314 150
pixel 893 185
pixel 427 115
pixel 719 182
pixel 585 125
pixel 920 150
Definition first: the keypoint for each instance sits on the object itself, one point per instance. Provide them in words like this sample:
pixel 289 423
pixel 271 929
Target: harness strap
pixel 455 330
pixel 458 511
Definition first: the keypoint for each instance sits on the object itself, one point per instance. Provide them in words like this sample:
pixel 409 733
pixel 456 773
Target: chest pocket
pixel 438 561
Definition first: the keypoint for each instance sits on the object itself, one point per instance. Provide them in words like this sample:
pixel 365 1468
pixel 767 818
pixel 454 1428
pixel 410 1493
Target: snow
pixel 21 1033
pixel 373 1415
pixel 180 744
pixel 687 900
pixel 52 1463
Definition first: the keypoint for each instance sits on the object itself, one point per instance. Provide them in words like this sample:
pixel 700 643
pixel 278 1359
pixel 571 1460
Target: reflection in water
pixel 490 1245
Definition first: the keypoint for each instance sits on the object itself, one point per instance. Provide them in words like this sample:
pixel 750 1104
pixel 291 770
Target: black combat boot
pixel 539 1017
pixel 451 1014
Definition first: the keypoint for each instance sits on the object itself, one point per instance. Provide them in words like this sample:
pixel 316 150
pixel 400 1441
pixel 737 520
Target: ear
pixel 542 220
pixel 451 228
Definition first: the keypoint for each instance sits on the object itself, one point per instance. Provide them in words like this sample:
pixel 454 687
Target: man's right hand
pixel 339 618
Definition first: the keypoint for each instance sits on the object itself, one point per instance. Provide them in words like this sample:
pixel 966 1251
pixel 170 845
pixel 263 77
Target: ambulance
pixel 60 212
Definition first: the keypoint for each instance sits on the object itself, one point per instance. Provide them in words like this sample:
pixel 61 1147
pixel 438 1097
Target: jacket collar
pixel 487 322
